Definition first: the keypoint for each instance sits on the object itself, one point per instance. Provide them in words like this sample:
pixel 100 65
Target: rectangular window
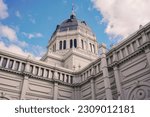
pixel 129 49
pixel 36 71
pixel 42 72
pixel 17 65
pixel 10 64
pixel 23 67
pixel 140 41
pixel 31 69
pixel 71 43
pixel 134 45
pixel 4 62
pixel 123 52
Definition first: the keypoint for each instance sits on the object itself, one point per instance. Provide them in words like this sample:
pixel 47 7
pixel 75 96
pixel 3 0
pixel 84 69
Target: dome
pixel 72 24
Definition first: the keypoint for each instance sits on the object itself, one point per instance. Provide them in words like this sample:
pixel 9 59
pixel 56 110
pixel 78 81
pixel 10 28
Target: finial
pixel 73 8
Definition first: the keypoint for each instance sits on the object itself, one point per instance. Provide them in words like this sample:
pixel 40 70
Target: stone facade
pixel 72 72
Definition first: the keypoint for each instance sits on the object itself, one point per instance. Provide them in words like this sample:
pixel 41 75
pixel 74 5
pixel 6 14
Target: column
pixel 147 52
pixel 69 79
pixel 92 89
pixel 14 63
pixel 78 42
pixel 121 54
pixel 55 92
pixel 107 86
pixel 65 78
pixel 75 93
pixel 118 83
pixel 144 37
pixel 50 74
pixel 7 64
pixel 132 48
pixel 44 74
pixel 19 69
pixel 39 71
pixel 126 51
pixel 27 67
pixel 24 87
pixel 33 70
pixel 1 61
pixel 55 75
pixel 137 43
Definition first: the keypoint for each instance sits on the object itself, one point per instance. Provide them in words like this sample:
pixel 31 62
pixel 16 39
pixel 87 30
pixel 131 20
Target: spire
pixel 73 10
pixel 73 15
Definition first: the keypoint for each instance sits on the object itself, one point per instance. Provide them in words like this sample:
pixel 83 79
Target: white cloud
pixel 3 10
pixel 17 13
pixel 32 20
pixel 123 17
pixel 13 48
pixel 7 32
pixel 32 35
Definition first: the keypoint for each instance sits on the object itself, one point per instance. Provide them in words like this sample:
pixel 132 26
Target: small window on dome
pixel 75 43
pixel 60 45
pixel 64 46
pixel 71 43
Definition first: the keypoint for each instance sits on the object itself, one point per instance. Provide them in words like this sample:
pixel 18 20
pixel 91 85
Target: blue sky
pixel 27 25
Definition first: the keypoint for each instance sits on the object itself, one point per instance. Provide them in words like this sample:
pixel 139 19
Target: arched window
pixel 64 46
pixel 75 43
pixel 82 44
pixel 60 45
pixel 93 48
pixel 71 43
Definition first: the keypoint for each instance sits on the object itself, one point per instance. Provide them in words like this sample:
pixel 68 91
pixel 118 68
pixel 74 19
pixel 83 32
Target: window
pixel 46 74
pixel 129 49
pixel 75 43
pixel 60 45
pixel 123 52
pixel 10 64
pixel 134 46
pixel 36 70
pixel 82 44
pixel 71 43
pixel 91 47
pixel 64 44
pixel 23 67
pixel 4 62
pixel 31 68
pixel 17 65
pixel 94 48
pixel 42 72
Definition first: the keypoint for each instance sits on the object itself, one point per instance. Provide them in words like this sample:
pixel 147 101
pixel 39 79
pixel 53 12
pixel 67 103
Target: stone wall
pixel 121 73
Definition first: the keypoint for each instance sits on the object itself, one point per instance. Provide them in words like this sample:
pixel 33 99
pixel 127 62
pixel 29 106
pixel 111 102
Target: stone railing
pixel 34 68
pixel 129 47
pixel 89 72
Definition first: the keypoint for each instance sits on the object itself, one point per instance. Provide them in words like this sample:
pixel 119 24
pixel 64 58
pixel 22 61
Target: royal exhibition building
pixel 76 67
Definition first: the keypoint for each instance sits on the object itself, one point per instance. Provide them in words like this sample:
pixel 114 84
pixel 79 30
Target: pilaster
pixel 107 86
pixel 92 89
pixel 55 92
pixel 24 87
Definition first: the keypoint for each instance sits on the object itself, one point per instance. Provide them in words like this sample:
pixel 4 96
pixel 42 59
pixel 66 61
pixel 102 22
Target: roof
pixel 71 24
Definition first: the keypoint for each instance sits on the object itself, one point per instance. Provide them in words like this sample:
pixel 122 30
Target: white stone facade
pixel 73 73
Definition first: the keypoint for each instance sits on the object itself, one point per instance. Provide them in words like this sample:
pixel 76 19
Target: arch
pixel 64 44
pixel 71 43
pixel 91 47
pixel 75 43
pixel 60 45
pixel 138 87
